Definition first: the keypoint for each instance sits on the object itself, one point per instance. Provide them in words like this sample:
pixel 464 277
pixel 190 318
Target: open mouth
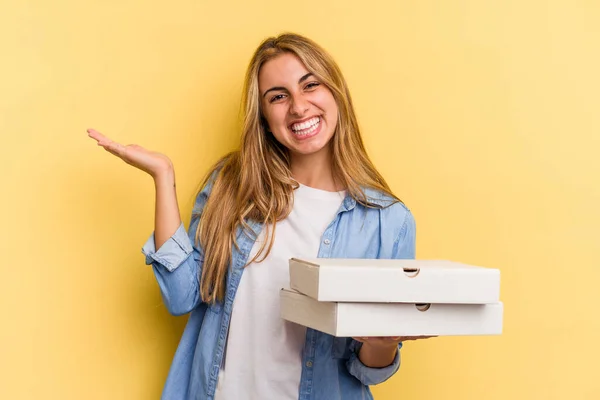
pixel 306 128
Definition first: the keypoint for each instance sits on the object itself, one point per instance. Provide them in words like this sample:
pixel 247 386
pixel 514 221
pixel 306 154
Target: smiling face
pixel 299 109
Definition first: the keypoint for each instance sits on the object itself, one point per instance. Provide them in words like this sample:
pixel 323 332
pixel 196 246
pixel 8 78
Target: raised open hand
pixel 148 161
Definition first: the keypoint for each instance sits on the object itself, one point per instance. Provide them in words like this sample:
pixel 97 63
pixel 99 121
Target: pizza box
pixel 391 319
pixel 394 280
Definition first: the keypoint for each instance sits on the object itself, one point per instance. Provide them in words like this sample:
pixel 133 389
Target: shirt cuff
pixel 368 375
pixel 172 253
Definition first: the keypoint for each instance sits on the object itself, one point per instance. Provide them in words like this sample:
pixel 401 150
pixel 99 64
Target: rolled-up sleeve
pixel 368 375
pixel 172 253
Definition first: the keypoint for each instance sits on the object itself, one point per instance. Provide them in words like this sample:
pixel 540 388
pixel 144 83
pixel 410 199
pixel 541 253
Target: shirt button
pixel 327 241
pixel 309 364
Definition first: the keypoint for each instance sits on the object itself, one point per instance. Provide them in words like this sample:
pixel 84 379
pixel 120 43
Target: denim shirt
pixel 331 368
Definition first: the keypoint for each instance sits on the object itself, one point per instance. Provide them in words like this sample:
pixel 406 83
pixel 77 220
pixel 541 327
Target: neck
pixel 314 170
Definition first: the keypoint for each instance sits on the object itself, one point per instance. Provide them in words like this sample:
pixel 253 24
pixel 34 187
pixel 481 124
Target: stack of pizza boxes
pixel 368 297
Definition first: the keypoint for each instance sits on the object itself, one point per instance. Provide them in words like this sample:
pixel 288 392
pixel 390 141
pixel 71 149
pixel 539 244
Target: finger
pixel 417 337
pixel 405 338
pixel 101 139
pixel 94 134
pixel 116 148
pixel 112 152
pixel 387 339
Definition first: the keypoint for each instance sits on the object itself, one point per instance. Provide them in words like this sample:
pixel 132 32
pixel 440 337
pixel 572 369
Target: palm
pixel 148 161
pixel 388 340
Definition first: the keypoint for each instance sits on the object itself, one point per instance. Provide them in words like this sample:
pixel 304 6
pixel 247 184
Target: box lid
pixel 394 280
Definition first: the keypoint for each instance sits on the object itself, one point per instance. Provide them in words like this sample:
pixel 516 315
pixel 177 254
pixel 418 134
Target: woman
pixel 301 185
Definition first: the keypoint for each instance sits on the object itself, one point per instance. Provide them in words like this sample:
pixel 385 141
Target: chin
pixel 314 148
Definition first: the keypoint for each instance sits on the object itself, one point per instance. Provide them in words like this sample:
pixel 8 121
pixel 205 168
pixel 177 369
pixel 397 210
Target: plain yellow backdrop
pixel 482 115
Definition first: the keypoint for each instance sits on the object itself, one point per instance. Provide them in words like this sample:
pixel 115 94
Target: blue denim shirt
pixel 331 368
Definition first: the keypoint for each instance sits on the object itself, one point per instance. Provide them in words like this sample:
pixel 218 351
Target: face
pixel 300 111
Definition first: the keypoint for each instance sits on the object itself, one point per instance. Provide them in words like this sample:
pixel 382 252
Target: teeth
pixel 308 131
pixel 308 124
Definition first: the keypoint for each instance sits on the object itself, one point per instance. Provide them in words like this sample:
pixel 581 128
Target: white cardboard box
pixel 391 319
pixel 394 281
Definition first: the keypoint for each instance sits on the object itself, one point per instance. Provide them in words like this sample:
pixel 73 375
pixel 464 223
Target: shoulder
pixel 392 210
pixel 206 188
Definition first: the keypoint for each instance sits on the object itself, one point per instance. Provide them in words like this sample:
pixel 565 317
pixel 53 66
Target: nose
pixel 299 105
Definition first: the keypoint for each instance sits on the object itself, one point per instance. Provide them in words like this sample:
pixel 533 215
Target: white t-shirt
pixel 263 358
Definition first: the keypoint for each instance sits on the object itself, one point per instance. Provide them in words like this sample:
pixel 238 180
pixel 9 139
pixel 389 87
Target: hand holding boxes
pixel 374 297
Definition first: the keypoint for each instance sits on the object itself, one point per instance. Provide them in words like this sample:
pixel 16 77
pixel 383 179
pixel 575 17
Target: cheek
pixel 332 109
pixel 333 115
pixel 275 117
pixel 328 104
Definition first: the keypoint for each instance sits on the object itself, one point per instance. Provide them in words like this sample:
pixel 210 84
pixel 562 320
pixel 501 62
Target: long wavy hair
pixel 255 182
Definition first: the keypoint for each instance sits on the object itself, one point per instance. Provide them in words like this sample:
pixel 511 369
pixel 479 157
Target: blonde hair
pixel 255 182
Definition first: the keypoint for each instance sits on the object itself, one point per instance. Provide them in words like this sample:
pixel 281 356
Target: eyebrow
pixel 305 77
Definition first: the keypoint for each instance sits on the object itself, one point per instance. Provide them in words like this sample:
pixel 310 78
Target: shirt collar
pixel 374 196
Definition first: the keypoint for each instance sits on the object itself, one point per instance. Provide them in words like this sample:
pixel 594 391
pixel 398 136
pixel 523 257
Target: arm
pixel 378 352
pixel 177 263
pixel 375 362
pixel 166 211
pixel 381 353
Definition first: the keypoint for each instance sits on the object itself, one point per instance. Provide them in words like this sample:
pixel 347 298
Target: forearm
pixel 377 356
pixel 166 215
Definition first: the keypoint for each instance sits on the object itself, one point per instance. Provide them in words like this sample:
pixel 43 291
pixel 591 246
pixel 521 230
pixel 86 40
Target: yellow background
pixel 482 115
